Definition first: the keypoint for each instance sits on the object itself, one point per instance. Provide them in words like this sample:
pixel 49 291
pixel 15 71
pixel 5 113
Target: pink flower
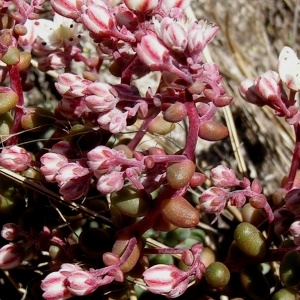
pixel 111 182
pixel 11 231
pixel 51 163
pixel 15 159
pixel 11 256
pixel 288 68
pixel 199 35
pixel 73 180
pixel 114 120
pixel 67 8
pixel 100 97
pixel 81 283
pixel 103 159
pixel 55 284
pixel 222 176
pixel 72 108
pixel 141 6
pixel 71 85
pixel 172 34
pixel 267 85
pixel 213 200
pixel 152 51
pixel 166 280
pixel 98 19
pixel 54 287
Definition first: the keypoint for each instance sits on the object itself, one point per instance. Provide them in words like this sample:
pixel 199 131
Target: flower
pixel 51 163
pixel 81 283
pixel 71 85
pixel 141 6
pixel 15 159
pixel 111 182
pixel 288 68
pixel 11 231
pixel 98 19
pixel 11 256
pixel 222 176
pixel 166 280
pixel 152 51
pixel 61 32
pixel 213 200
pixel 114 120
pixel 172 34
pixel 100 97
pixel 67 8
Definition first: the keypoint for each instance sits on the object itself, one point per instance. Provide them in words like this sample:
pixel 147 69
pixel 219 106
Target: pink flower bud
pixel 114 121
pixel 199 35
pixel 98 20
pixel 103 159
pixel 288 68
pixel 141 6
pixel 111 182
pixel 11 231
pixel 172 34
pixel 213 200
pixel 248 92
pixel 100 97
pixel 222 176
pixel 11 256
pixel 267 86
pixel 54 287
pixel 151 50
pixel 71 85
pixel 81 283
pixel 70 171
pixel 176 3
pixel 51 163
pixel 15 159
pixel 165 280
pixel 67 8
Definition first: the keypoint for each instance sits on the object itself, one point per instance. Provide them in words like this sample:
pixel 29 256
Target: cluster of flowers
pixel 135 38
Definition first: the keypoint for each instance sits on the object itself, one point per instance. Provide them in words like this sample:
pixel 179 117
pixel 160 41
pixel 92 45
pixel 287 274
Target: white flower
pixel 289 68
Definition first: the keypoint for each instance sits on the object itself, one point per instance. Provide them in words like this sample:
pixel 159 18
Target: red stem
pixel 192 137
pixel 16 86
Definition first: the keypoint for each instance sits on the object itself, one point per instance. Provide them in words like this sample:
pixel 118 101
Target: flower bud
pixel 81 283
pixel 180 212
pixel 11 256
pixel 179 174
pixel 67 8
pixel 222 176
pixel 165 280
pixel 15 158
pixel 212 131
pixel 98 20
pixel 141 6
pixel 151 50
